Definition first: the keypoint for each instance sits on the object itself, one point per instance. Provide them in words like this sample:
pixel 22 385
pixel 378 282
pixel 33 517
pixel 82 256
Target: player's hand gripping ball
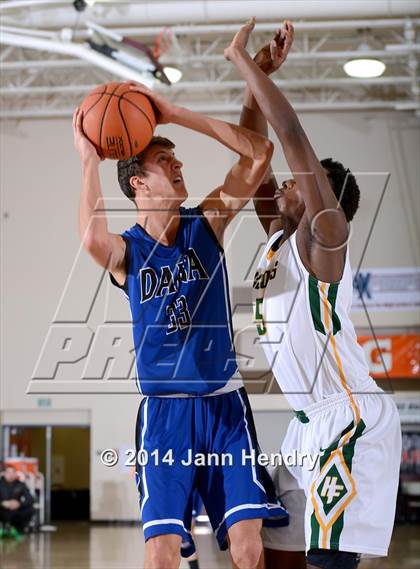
pixel 118 120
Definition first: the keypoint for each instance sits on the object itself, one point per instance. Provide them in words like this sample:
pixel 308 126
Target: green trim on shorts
pixel 302 416
pixel 348 449
pixel 348 453
pixel 314 532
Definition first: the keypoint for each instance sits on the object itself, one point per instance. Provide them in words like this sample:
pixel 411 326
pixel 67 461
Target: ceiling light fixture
pixel 364 67
pixel 173 74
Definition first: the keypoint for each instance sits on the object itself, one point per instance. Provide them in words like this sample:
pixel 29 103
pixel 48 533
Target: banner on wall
pixel 410 459
pixel 409 410
pixel 399 354
pixel 394 288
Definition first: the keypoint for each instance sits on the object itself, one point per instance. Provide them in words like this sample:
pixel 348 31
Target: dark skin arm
pixel 265 208
pixel 253 118
pixel 324 226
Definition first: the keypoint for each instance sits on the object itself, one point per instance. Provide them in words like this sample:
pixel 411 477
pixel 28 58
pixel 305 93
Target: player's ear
pixel 138 184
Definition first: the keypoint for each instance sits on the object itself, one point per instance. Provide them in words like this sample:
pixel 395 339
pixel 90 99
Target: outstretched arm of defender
pixel 329 228
pixel 106 248
pixel 254 119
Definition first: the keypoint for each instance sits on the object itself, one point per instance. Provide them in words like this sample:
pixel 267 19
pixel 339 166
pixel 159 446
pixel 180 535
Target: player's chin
pixel 180 190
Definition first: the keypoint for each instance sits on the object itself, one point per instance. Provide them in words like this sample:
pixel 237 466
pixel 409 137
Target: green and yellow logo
pixel 331 489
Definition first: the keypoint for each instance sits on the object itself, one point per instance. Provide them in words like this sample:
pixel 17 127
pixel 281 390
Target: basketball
pixel 118 121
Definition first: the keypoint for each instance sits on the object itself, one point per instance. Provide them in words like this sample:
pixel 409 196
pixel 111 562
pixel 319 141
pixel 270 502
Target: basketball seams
pixel 124 123
pixel 96 102
pixel 105 112
pixel 137 107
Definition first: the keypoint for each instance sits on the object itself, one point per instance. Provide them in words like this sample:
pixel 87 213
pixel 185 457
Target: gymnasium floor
pixel 82 546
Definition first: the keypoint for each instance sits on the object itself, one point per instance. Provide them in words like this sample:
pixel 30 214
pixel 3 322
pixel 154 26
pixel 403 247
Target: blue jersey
pixel 179 300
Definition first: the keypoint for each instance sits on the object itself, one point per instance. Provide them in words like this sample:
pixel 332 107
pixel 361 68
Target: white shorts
pixel 350 495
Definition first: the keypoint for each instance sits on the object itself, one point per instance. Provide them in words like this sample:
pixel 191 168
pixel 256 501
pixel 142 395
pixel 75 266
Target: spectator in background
pixel 16 503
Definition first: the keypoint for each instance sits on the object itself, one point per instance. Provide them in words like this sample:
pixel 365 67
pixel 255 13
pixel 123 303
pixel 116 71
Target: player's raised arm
pixel 329 228
pixel 254 119
pixel 106 248
pixel 245 176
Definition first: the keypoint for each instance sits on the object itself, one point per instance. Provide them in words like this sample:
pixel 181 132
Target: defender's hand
pixel 273 55
pixel 83 146
pixel 240 40
pixel 164 109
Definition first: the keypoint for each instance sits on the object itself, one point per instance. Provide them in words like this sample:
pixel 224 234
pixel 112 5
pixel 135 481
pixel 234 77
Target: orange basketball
pixel 118 121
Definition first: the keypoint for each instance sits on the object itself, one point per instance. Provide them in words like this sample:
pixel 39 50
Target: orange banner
pixel 400 354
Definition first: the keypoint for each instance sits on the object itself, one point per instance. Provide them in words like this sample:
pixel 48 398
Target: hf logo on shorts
pixel 330 494
pixel 332 489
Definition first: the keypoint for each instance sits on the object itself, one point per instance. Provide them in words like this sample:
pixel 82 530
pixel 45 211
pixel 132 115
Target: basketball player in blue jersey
pixel 194 421
pixel 303 294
